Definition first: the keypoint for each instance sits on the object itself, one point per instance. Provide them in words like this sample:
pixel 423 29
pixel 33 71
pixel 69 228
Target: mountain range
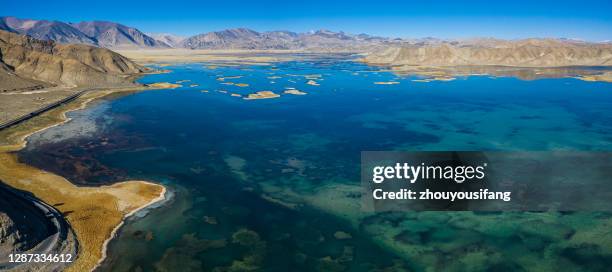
pixel 118 36
pixel 99 33
pixel 426 51
pixel 242 38
pixel 494 52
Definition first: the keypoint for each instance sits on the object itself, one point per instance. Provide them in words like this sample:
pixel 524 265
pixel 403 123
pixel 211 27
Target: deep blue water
pixel 268 184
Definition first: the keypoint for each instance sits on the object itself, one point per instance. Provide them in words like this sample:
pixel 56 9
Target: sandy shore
pixel 227 56
pixel 604 77
pixel 94 213
pixel 161 197
pixel 449 73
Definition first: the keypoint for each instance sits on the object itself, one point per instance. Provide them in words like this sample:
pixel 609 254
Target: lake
pixel 274 184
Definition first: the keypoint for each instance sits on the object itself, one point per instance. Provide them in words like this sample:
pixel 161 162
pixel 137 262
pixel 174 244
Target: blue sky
pixel 589 20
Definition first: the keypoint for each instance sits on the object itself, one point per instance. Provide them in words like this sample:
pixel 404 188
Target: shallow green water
pixel 273 185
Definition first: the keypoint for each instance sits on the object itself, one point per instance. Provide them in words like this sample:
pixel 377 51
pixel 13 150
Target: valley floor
pixel 227 56
pixel 19 103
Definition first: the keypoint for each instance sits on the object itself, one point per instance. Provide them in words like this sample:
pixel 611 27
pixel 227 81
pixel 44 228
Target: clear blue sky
pixel 589 20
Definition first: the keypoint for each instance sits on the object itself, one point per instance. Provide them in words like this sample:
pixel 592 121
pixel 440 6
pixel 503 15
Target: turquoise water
pixel 273 185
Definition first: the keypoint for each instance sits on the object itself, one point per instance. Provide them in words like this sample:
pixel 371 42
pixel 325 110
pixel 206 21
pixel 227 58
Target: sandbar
pixel 386 82
pixel 229 77
pixel 605 77
pixel 261 95
pixel 294 92
pixel 312 82
pixel 164 85
pixel 434 79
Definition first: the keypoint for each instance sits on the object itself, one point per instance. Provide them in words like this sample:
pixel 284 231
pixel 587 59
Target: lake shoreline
pixel 120 200
pixel 160 199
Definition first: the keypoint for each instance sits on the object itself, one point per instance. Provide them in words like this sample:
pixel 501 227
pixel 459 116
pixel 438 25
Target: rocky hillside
pixel 520 53
pixel 63 64
pixel 99 33
pixel 9 236
pixel 22 226
pixel 9 81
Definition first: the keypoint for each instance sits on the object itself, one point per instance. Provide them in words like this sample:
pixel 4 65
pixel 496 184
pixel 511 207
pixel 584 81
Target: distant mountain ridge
pixel 540 52
pixel 170 40
pixel 243 38
pixel 117 36
pixel 99 33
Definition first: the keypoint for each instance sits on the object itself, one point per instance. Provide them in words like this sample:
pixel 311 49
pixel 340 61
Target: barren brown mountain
pixel 45 30
pixel 114 35
pixel 522 53
pixel 24 59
